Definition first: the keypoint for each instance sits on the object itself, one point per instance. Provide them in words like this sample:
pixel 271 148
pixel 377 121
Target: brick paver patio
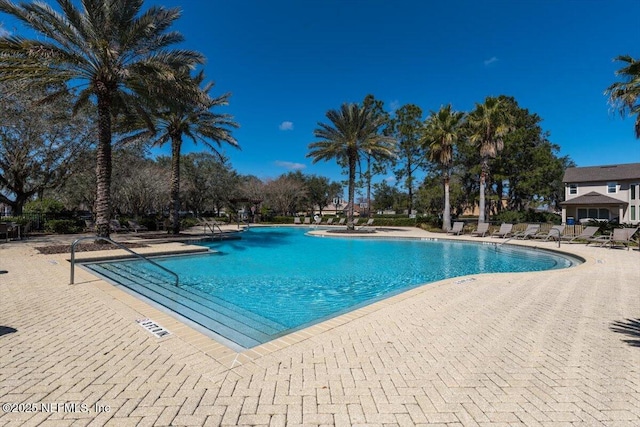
pixel 555 348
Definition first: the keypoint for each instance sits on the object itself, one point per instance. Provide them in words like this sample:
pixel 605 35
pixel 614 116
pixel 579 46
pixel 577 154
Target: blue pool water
pixel 276 280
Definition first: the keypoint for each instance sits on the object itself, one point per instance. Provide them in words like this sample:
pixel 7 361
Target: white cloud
pixel 3 32
pixel 390 180
pixel 394 105
pixel 290 165
pixel 286 125
pixel 490 61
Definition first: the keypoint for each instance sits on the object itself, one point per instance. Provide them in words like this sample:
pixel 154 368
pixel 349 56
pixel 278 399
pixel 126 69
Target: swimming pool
pixel 277 280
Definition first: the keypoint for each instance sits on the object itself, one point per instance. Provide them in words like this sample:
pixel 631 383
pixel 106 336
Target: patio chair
pixel 133 225
pixel 505 231
pixel 307 220
pixel 529 232
pixel 329 221
pixel 356 221
pixel 296 220
pixel 341 221
pixel 457 228
pixel 481 230
pixel 551 234
pixel 619 237
pixel 317 220
pixel 586 234
pixel 116 227
pixel 367 225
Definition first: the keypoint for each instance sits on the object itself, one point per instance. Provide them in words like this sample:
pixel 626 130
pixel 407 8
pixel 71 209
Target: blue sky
pixel 287 62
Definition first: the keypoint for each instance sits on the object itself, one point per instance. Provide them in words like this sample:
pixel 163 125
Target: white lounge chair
pixel 551 234
pixel 133 225
pixel 586 234
pixel 367 225
pixel 481 230
pixel 505 231
pixel 456 228
pixel 529 232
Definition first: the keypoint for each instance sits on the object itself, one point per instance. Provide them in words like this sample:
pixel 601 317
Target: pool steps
pixel 223 318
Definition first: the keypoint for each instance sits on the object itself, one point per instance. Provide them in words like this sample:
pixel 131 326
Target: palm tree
pixel 353 132
pixel 197 122
pixel 113 53
pixel 488 124
pixel 625 95
pixel 443 129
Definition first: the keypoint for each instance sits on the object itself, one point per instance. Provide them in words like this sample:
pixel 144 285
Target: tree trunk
pixel 369 185
pixel 482 207
pixel 174 214
pixel 103 165
pixel 352 184
pixel 446 215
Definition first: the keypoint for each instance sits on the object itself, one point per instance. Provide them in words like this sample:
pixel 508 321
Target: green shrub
pixel 45 206
pixel 17 219
pixel 188 223
pixel 63 226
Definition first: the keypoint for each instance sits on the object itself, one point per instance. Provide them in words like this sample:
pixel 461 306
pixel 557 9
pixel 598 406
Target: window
pixel 593 213
pixel 612 187
pixel 633 213
pixel 633 191
pixel 573 189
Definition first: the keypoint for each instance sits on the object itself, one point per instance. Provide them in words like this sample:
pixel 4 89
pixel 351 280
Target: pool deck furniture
pixel 619 237
pixel 551 234
pixel 307 220
pixel 116 227
pixel 367 225
pixel 133 225
pixel 296 220
pixel 341 221
pixel 586 234
pixel 456 229
pixel 329 221
pixel 504 231
pixel 528 233
pixel 481 230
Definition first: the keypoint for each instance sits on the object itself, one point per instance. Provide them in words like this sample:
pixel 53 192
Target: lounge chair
pixel 317 220
pixel 356 221
pixel 133 225
pixel 341 221
pixel 481 230
pixel 116 227
pixel 367 225
pixel 505 231
pixel 529 232
pixel 296 220
pixel 457 228
pixel 586 234
pixel 307 220
pixel 551 234
pixel 619 237
pixel 329 221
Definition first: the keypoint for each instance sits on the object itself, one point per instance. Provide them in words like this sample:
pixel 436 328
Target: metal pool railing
pixel 106 239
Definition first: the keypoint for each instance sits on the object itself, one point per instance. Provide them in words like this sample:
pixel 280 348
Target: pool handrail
pixel 106 239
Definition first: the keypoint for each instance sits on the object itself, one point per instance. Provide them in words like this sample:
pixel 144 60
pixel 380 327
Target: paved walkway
pixel 556 348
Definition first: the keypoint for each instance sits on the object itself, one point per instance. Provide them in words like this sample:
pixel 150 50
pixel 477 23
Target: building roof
pixel 602 173
pixel 593 199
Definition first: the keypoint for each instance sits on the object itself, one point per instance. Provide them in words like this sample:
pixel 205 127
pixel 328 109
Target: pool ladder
pixel 106 239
